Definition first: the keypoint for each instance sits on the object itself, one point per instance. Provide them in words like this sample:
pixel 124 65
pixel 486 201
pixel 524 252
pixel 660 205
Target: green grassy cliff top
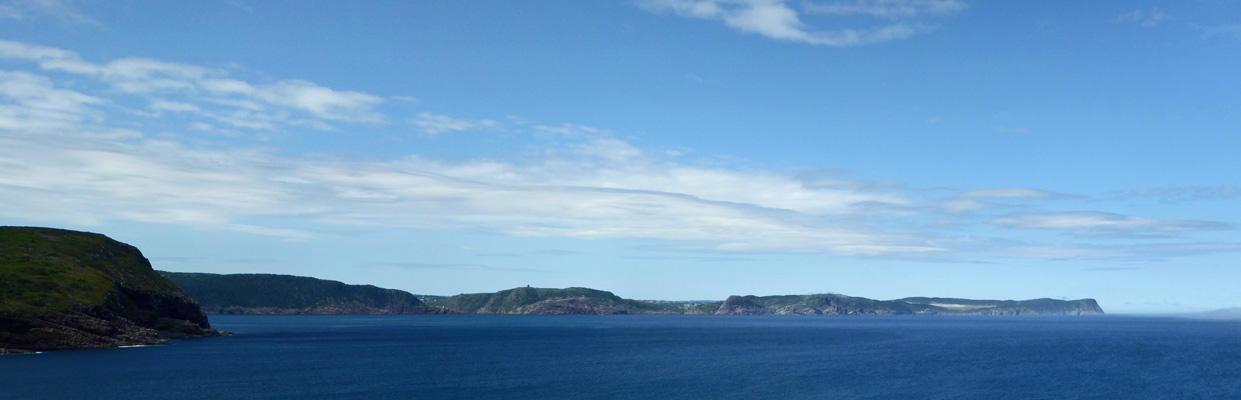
pixel 47 270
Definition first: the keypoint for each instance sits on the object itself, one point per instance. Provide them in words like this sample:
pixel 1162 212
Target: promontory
pixel 62 289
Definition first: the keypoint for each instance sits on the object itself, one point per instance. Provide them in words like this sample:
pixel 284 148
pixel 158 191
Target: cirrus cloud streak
pixel 78 153
pixel 780 20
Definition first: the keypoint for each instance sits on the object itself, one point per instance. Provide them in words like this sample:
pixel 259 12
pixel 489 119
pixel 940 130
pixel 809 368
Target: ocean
pixel 656 357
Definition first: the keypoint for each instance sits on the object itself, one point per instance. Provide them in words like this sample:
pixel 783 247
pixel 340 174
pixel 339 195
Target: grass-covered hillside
pixel 287 294
pixel 63 289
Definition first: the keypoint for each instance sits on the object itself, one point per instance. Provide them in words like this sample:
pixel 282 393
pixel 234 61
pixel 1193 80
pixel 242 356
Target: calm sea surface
pixel 656 357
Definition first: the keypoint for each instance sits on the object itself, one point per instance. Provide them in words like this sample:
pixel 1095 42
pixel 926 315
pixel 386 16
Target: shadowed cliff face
pixel 63 289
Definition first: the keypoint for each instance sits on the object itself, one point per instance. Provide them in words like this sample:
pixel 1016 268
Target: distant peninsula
pixel 62 289
pixel 834 304
pixel 527 300
pixel 287 294
pixel 589 301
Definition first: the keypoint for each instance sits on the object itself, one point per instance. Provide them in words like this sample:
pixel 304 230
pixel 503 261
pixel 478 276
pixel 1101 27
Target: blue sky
pixel 665 149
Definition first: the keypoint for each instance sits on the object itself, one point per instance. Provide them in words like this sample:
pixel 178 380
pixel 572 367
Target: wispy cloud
pixel 1181 194
pixel 36 104
pixel 893 9
pixel 1227 31
pixel 403 265
pixel 972 200
pixel 1113 269
pixel 572 131
pixel 779 20
pixel 167 105
pixel 320 101
pixel 1101 223
pixel 575 194
pixel 170 86
pixel 36 9
pixel 81 154
pixel 432 124
pixel 1085 251
pixel 1013 193
pixel 1145 17
pixel 961 206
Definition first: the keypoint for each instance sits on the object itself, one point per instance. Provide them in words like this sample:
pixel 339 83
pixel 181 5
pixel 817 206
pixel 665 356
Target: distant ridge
pixel 834 304
pixel 527 300
pixel 590 301
pixel 288 294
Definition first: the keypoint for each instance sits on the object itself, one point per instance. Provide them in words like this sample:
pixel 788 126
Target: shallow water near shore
pixel 656 356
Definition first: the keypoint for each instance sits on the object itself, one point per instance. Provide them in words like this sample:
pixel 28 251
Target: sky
pixel 658 149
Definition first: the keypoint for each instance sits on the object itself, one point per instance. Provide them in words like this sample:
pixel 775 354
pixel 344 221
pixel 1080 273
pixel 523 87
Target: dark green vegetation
pixel 63 289
pixel 834 304
pixel 286 294
pixel 527 300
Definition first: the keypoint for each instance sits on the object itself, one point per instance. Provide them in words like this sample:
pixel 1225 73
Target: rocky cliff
pixel 63 289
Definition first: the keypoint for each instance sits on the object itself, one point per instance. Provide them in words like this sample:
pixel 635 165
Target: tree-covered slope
pixel 62 289
pixel 527 300
pixel 287 294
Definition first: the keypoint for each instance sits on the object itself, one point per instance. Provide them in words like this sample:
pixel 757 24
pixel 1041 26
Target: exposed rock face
pixel 63 289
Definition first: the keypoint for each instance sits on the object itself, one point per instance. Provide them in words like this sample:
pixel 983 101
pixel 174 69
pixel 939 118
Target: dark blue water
pixel 642 357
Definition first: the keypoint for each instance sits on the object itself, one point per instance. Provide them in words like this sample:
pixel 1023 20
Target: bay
pixel 656 356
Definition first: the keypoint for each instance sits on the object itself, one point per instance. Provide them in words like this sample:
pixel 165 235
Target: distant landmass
pixel 589 301
pixel 834 304
pixel 287 294
pixel 527 300
pixel 62 289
